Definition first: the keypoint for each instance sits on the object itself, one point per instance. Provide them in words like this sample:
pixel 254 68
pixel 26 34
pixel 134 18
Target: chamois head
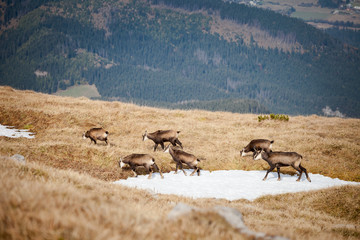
pixel 145 136
pixel 167 148
pixel 259 154
pixel 86 134
pixel 242 152
pixel 121 163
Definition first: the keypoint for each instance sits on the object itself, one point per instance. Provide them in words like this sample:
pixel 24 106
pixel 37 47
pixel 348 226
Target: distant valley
pixel 185 54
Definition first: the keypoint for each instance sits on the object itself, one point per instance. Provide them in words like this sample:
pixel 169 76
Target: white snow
pixel 229 184
pixel 11 132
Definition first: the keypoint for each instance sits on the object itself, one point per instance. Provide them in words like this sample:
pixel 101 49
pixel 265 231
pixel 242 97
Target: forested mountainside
pixel 177 52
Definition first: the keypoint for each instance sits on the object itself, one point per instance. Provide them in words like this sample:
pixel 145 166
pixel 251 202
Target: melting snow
pixel 11 132
pixel 229 184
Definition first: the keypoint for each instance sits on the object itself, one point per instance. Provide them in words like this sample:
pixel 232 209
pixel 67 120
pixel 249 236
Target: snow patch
pixel 11 132
pixel 230 184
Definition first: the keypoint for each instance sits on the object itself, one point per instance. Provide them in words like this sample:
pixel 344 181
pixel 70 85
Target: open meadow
pixel 65 190
pixel 309 10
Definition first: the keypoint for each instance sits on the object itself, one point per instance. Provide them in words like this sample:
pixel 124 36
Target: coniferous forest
pixel 165 53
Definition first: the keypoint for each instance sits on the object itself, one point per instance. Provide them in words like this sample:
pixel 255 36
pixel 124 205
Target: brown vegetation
pixel 64 191
pixel 232 31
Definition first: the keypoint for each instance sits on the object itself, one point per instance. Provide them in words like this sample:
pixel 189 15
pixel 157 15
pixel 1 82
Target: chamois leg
pixel 304 170
pixel 271 168
pixel 155 146
pixel 181 167
pixel 278 172
pixel 106 141
pixel 299 170
pixel 149 168
pixel 177 166
pixel 196 169
pixel 158 169
pixel 178 142
pixel 162 145
pixel 133 168
pixel 92 140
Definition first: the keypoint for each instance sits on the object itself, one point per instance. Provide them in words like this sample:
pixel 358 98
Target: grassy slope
pixel 35 197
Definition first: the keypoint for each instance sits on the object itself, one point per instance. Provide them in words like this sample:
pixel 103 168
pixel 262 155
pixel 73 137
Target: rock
pixel 18 158
pixel 231 215
pixel 179 210
pixel 153 194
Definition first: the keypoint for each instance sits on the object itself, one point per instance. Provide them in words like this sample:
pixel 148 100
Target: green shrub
pixel 273 116
pixel 28 126
pixel 262 118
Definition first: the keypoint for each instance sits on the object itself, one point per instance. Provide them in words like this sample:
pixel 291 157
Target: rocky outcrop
pixel 231 215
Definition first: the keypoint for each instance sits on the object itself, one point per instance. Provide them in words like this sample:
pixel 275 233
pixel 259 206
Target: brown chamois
pixel 281 159
pixel 136 160
pixel 96 134
pixel 161 136
pixel 257 144
pixel 180 157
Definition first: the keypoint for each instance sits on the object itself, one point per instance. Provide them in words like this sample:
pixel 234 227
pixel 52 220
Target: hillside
pixel 64 190
pixel 168 52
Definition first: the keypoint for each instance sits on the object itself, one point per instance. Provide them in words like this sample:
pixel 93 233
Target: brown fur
pixel 282 159
pixel 257 144
pixel 180 157
pixel 136 160
pixel 96 134
pixel 161 136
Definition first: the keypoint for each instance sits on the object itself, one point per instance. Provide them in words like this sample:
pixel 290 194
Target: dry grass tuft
pixel 63 192
pixel 342 202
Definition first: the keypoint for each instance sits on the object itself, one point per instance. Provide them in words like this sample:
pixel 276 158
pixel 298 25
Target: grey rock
pixel 231 215
pixel 153 194
pixel 179 210
pixel 18 158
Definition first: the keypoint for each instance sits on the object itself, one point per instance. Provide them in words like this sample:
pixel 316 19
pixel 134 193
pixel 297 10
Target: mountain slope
pixel 65 189
pixel 174 51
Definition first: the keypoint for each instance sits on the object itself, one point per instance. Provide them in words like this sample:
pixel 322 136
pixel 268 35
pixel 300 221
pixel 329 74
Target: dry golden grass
pixel 64 191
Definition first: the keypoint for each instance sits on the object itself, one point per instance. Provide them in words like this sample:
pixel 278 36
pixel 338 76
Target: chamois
pixel 180 157
pixel 281 159
pixel 257 144
pixel 136 160
pixel 161 136
pixel 96 134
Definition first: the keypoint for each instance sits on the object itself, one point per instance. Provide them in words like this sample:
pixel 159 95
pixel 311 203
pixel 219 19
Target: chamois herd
pixel 259 148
